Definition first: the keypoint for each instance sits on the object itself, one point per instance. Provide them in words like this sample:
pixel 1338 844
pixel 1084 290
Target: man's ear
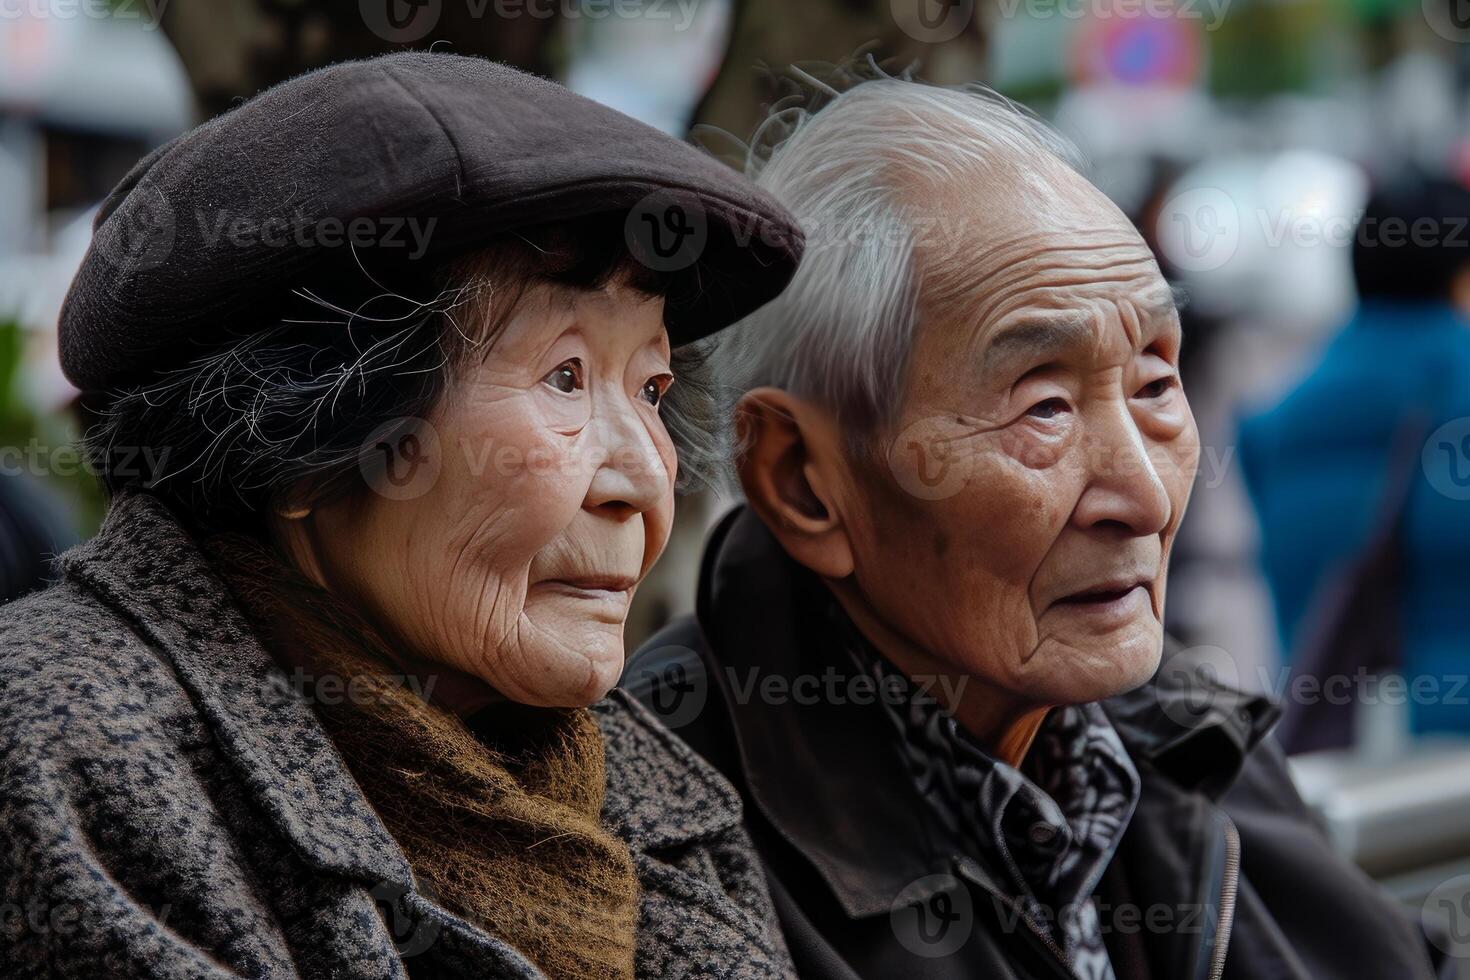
pixel 790 460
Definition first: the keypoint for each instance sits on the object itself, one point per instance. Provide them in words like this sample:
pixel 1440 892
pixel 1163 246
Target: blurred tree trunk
pixel 943 40
pixel 232 49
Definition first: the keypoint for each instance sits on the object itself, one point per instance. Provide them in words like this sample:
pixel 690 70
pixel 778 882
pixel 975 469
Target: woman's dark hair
pixel 1413 239
pixel 234 435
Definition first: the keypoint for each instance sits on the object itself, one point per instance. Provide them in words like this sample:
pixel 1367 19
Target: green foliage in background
pixel 16 420
pixel 43 446
pixel 1264 47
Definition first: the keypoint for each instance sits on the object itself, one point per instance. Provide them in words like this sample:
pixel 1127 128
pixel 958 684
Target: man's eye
pixel 1156 389
pixel 655 388
pixel 566 376
pixel 1050 408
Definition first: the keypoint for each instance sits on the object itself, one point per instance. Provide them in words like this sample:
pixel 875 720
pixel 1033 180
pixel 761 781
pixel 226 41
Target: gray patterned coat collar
pixel 143 563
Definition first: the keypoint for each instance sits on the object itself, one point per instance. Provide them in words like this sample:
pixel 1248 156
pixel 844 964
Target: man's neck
pixel 1001 723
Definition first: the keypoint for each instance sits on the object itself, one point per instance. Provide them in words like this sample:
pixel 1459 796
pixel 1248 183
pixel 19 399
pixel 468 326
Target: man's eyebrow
pixel 1040 334
pixel 1163 304
pixel 1061 330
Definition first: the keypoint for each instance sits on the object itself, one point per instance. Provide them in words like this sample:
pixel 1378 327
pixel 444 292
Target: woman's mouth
pixel 599 588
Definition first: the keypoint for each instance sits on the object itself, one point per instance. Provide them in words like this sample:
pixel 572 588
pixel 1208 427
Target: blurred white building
pixel 85 89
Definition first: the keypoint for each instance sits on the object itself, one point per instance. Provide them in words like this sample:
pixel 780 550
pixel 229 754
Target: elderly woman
pixel 387 398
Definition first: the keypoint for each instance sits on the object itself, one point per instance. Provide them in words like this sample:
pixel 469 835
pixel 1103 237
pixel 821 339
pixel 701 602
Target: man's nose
pixel 1124 487
pixel 630 474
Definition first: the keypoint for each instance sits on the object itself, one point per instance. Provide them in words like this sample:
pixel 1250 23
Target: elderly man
pixel 928 648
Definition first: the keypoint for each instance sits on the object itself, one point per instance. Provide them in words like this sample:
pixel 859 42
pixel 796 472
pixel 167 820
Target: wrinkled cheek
pixel 488 601
pixel 658 523
pixel 1018 446
pixel 1177 464
pixel 659 520
pixel 511 497
pixel 1015 513
pixel 1183 461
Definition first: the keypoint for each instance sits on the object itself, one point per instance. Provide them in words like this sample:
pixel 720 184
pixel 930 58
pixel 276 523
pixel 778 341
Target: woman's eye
pixel 1047 409
pixel 565 377
pixel 1156 389
pixel 655 388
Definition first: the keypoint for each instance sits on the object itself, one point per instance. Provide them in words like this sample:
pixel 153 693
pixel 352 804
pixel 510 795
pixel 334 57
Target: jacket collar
pixel 865 833
pixel 144 564
pixel 659 793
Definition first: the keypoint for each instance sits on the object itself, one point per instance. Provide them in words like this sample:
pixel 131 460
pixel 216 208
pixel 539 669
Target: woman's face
pixel 504 538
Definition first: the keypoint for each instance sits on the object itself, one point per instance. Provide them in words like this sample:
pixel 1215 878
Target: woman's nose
pixel 1124 488
pixel 630 475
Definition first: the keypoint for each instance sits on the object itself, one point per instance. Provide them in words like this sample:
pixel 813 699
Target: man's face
pixel 1019 528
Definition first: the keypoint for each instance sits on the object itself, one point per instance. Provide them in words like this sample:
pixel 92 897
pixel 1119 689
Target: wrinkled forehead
pixel 1043 243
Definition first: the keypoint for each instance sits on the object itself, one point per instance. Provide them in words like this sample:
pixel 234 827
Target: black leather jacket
pixel 1222 872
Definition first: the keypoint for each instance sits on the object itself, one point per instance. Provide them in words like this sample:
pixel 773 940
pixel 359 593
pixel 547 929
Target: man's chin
pixel 1136 660
pixel 1090 668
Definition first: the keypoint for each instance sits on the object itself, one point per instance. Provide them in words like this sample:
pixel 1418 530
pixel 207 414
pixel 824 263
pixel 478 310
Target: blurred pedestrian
pixel 1360 475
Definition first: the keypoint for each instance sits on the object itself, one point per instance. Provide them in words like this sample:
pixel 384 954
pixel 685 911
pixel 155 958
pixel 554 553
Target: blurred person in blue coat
pixel 1387 404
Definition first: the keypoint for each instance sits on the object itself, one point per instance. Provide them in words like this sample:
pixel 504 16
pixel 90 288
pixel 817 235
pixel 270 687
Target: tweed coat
pixel 172 808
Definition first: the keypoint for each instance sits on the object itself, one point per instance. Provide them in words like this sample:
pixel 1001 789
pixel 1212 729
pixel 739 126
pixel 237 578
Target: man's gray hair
pixel 856 174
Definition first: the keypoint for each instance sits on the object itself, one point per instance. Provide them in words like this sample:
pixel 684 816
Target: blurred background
pixel 1330 375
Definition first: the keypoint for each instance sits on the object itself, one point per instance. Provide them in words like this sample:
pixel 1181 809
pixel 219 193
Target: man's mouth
pixel 1111 592
pixel 1114 601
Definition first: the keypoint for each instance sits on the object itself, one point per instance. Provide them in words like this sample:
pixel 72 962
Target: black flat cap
pixel 402 160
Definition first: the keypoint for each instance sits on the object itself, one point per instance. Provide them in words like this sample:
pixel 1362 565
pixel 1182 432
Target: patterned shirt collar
pixel 1046 833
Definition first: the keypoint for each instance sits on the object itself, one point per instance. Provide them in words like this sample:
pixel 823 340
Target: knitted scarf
pixel 498 816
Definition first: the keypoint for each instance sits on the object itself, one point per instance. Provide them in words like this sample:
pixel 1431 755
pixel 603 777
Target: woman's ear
pixel 292 528
pixel 790 460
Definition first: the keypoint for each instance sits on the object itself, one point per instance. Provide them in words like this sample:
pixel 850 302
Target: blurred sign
pixel 1143 49
pixel 25 51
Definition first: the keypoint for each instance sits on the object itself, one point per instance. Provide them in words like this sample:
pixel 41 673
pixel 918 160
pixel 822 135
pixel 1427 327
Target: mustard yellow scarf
pixel 500 823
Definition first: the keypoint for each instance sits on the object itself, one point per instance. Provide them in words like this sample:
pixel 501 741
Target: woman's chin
pixel 580 676
pixel 606 669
